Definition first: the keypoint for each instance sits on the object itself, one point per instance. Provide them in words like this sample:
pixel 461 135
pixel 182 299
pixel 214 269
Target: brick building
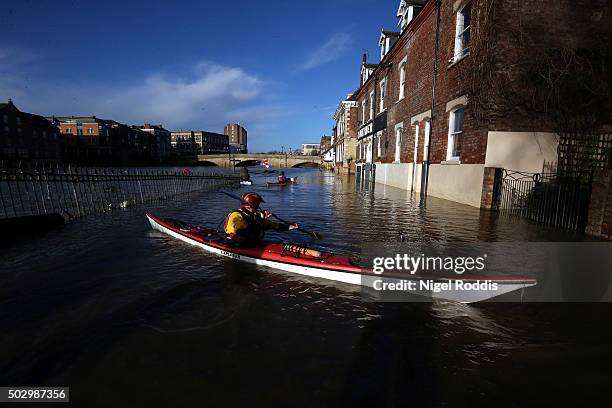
pixel 87 138
pixel 161 145
pixel 186 142
pixel 25 137
pixel 344 136
pixel 237 137
pixel 427 99
pixel 183 142
pixel 212 143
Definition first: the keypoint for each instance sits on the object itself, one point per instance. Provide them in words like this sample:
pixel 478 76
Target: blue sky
pixel 278 67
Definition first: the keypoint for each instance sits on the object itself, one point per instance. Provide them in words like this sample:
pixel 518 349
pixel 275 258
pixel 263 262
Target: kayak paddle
pixel 314 234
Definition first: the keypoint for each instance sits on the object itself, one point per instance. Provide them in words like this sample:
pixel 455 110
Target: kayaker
pixel 281 178
pixel 244 174
pixel 247 225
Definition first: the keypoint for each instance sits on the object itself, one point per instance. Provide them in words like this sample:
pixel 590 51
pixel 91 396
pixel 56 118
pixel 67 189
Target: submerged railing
pixel 545 198
pixel 78 191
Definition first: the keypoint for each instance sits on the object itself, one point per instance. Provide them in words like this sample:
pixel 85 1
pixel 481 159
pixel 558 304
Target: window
pixel 399 129
pixel 462 38
pixel 426 141
pixel 402 80
pixel 372 105
pixel 69 131
pixel 363 110
pixel 90 130
pixel 5 118
pixel 18 121
pixel 383 93
pixel 455 134
pixel 80 132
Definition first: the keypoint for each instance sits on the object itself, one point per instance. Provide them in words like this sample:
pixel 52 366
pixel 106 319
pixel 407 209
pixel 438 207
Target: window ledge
pixel 400 99
pixel 451 162
pixel 455 61
pixel 396 162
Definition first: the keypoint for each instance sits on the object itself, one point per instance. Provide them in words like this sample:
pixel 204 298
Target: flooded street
pixel 127 316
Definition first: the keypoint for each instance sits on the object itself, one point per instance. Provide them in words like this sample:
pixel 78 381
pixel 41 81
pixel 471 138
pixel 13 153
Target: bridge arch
pixel 205 163
pixel 305 164
pixel 248 163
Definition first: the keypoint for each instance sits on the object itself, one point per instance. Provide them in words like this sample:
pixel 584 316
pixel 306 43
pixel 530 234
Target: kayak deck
pixel 327 265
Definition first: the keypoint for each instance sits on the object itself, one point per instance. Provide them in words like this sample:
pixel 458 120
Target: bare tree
pixel 519 71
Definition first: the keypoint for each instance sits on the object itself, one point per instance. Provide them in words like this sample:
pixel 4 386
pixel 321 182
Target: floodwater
pixel 129 317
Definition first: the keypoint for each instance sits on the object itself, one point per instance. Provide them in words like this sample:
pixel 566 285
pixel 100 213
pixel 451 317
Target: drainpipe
pixel 425 178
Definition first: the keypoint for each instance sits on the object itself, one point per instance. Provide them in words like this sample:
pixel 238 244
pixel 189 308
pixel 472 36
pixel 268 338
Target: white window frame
pixel 383 94
pixel 363 110
pixel 402 81
pixel 417 128
pixel 426 138
pixel 461 49
pixel 372 105
pixel 415 155
pixel 399 131
pixel 452 134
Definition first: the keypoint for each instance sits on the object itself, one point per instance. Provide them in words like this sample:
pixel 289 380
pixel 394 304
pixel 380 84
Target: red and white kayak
pixel 339 268
pixel 290 180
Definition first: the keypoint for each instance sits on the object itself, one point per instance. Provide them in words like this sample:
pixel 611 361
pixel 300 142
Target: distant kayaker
pixel 244 174
pixel 247 225
pixel 281 178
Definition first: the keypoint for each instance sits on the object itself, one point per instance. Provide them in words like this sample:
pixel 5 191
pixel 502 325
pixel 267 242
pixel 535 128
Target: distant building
pixel 326 151
pixel 87 138
pixel 211 143
pixel 237 136
pixel 310 149
pixel 344 135
pixel 183 142
pixel 325 143
pixel 198 142
pixel 161 146
pixel 27 137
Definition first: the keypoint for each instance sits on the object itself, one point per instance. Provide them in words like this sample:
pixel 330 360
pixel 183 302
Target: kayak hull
pixel 291 180
pixel 331 267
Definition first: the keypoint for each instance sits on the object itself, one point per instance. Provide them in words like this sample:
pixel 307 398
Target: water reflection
pixel 108 298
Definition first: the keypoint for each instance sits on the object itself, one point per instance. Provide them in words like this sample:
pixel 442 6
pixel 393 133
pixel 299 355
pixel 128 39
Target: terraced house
pixel 450 99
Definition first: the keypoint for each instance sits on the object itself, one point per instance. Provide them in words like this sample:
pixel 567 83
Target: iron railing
pixel 544 198
pixel 79 191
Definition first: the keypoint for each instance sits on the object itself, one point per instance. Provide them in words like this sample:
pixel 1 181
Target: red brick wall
pixel 566 22
pixel 417 46
pixel 600 207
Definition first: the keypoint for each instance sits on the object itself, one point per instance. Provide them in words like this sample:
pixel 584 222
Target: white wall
pixel 521 151
pixel 457 182
pixel 394 174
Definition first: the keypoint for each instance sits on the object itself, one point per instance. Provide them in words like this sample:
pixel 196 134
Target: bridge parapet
pixel 275 160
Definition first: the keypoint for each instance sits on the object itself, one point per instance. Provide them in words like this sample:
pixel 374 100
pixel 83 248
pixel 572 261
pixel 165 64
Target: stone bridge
pixel 249 159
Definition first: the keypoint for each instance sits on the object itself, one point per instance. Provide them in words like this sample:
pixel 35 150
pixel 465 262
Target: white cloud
pixel 200 101
pixel 329 51
pixel 206 99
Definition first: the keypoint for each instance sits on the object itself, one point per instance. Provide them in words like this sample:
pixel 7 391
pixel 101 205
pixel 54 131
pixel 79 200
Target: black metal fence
pixel 79 191
pixel 545 198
